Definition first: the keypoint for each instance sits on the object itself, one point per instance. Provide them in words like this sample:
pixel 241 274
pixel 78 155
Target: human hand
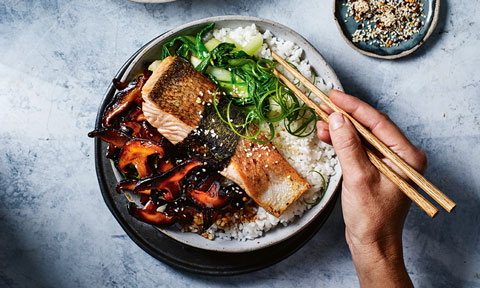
pixel 374 209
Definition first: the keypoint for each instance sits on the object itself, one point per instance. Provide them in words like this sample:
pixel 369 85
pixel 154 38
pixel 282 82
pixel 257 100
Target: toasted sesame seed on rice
pixel 304 154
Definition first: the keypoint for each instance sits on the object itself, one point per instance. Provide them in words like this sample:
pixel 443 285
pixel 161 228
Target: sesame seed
pixel 385 23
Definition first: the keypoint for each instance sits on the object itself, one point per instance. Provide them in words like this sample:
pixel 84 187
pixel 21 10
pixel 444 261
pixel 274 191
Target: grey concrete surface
pixel 56 60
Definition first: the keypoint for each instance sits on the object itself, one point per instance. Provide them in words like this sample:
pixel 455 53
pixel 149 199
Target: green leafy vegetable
pixel 201 50
pixel 187 45
pixel 132 171
pixel 212 43
pixel 252 47
pixel 250 84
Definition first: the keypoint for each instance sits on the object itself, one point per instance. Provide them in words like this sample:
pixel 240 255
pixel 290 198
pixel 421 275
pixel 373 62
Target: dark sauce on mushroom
pixel 173 186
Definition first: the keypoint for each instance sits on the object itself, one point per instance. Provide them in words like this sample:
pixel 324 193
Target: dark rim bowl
pixel 152 52
pixel 346 29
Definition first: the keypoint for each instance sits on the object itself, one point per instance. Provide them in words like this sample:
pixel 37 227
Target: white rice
pixel 304 154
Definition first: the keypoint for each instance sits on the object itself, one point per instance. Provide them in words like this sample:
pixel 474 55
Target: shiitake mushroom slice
pixel 123 100
pixel 112 136
pixel 168 183
pixel 150 215
pixel 136 152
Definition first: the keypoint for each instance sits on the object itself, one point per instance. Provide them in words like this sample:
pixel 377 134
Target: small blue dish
pixel 348 25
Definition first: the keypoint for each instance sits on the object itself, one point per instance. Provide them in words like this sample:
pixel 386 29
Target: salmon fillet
pixel 174 98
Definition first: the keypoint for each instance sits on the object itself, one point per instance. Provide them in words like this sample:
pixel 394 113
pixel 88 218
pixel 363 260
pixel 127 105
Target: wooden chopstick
pixel 381 166
pixel 416 177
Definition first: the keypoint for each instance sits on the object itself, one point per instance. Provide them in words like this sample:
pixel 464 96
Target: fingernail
pixel 336 121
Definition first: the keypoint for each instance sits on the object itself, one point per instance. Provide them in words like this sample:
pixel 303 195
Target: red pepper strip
pixel 123 100
pixel 168 182
pixel 209 198
pixel 112 136
pixel 136 152
pixel 150 215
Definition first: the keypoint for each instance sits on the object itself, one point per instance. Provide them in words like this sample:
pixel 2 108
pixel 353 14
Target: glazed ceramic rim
pixel 430 29
pixel 174 253
pixel 300 223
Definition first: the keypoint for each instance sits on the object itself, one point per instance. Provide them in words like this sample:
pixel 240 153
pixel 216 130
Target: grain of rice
pixel 304 154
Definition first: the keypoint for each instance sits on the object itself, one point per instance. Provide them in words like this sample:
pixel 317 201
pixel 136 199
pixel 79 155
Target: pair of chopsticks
pixel 416 177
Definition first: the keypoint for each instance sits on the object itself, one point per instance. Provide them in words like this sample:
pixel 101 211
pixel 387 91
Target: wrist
pixel 379 262
pixel 388 247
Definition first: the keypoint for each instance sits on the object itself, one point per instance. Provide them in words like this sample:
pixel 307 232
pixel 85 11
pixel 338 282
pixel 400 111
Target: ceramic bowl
pixel 152 52
pixel 431 10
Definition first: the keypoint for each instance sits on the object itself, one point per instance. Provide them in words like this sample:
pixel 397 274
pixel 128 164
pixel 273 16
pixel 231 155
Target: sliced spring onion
pixel 249 83
pixel 324 189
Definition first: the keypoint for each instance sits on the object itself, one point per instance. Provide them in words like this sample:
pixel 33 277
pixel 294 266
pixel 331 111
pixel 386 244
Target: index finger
pixel 381 126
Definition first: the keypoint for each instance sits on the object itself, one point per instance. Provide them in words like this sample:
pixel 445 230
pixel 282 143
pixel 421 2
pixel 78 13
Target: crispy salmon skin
pixel 266 176
pixel 174 98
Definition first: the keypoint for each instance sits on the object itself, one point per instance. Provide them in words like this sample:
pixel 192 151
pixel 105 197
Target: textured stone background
pixel 56 60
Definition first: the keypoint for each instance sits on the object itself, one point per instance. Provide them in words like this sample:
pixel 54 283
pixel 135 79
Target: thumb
pixel 348 146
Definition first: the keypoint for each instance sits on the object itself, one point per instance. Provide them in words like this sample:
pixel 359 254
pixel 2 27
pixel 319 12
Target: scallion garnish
pixel 251 86
pixel 323 191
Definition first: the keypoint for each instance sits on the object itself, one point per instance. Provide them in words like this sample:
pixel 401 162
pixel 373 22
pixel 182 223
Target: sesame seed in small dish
pixel 386 29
